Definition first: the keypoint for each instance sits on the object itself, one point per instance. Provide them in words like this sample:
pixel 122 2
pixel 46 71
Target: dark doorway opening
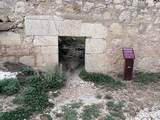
pixel 71 52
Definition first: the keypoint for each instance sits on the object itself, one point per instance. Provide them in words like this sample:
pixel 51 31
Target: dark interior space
pixel 71 53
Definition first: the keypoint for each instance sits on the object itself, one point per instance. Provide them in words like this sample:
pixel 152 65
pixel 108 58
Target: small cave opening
pixel 71 52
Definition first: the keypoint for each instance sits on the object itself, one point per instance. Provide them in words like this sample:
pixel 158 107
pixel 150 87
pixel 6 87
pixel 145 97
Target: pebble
pixel 149 114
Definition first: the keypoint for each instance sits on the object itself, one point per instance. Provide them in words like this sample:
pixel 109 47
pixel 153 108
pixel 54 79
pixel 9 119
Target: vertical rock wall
pixel 122 23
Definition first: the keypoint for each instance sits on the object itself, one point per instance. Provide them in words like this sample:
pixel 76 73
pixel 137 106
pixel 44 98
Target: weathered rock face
pixel 5 26
pixel 109 25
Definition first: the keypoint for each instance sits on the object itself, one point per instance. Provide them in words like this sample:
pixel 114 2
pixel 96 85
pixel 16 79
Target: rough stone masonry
pixel 29 31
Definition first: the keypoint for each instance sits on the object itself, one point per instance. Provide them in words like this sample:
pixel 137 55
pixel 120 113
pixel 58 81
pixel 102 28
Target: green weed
pixel 69 114
pixel 115 110
pixel 90 112
pixel 17 114
pixel 109 117
pixel 45 117
pixel 146 78
pixel 98 96
pixel 27 70
pixel 34 97
pixel 100 79
pixel 55 78
pixel 70 111
pixel 9 86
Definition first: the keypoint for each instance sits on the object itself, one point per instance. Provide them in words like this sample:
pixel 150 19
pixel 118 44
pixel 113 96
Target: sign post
pixel 129 56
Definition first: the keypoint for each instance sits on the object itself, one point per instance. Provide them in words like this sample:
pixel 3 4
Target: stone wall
pixel 29 31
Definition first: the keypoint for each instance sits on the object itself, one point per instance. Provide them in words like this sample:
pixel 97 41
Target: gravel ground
pixel 140 102
pixel 6 103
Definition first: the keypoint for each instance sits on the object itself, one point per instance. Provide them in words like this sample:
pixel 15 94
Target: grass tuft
pixel 27 70
pixel 100 79
pixel 54 78
pixel 38 100
pixel 45 117
pixel 70 111
pixel 17 114
pixel 98 96
pixel 70 114
pixel 9 86
pixel 146 78
pixel 34 97
pixel 109 117
pixel 115 110
pixel 90 112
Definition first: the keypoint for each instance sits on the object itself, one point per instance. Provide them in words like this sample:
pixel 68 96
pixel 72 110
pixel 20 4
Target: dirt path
pixel 76 89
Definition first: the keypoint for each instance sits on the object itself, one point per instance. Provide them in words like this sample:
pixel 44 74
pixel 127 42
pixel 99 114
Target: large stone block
pixel 46 56
pixel 47 25
pixel 96 30
pixel 13 50
pixel 37 27
pixel 28 60
pixel 43 25
pixel 69 27
pixel 48 49
pixel 8 58
pixel 10 38
pixel 46 60
pixel 44 17
pixel 40 26
pixel 95 63
pixel 52 27
pixel 95 45
pixel 38 17
pixel 45 40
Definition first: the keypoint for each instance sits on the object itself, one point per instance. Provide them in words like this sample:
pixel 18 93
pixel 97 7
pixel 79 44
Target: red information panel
pixel 128 53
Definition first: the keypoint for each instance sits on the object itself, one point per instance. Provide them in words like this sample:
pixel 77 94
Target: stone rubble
pixel 149 114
